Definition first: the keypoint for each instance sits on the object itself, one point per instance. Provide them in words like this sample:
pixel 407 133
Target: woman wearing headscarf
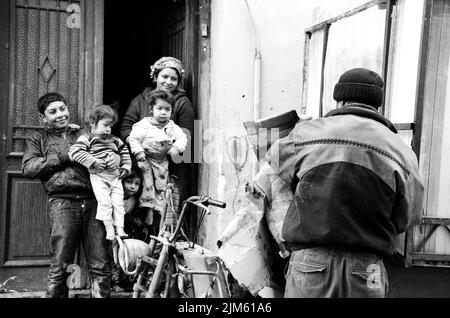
pixel 166 74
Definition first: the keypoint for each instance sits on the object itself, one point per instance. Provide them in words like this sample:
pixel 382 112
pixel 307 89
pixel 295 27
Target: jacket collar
pixel 68 130
pixel 362 110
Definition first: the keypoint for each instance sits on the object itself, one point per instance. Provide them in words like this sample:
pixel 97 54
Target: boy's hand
pixel 99 165
pixel 64 158
pixel 112 161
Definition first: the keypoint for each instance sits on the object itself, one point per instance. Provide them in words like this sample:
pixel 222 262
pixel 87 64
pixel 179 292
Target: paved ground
pixel 415 282
pixel 419 282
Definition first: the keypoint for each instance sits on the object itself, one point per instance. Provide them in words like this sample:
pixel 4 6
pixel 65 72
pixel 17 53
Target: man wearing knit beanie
pixel 356 189
pixel 360 85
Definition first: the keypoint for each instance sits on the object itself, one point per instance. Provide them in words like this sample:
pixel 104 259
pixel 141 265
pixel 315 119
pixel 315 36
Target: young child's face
pixel 56 115
pixel 103 127
pixel 131 186
pixel 162 110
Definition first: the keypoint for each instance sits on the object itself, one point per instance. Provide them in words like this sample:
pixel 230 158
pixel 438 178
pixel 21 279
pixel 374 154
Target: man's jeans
pixel 321 272
pixel 74 220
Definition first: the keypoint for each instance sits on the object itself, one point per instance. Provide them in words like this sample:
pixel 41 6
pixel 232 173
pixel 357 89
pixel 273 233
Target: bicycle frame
pixel 169 265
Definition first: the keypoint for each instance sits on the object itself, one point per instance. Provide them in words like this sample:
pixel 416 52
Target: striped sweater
pixel 89 148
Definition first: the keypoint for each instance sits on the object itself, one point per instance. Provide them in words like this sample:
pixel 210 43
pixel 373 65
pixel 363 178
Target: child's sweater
pixel 144 133
pixel 89 148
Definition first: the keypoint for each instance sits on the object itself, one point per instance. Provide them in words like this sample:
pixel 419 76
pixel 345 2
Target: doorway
pixel 135 36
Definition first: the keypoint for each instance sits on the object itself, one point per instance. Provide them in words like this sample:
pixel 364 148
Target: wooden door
pixel 46 46
pixel 181 37
pixel 181 41
pixel 44 49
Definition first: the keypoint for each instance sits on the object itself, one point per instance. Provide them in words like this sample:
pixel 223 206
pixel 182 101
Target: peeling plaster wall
pixel 280 29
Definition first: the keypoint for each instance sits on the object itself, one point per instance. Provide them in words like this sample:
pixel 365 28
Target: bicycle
pixel 197 271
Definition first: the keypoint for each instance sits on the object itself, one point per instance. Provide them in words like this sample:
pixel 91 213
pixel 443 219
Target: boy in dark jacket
pixel 72 202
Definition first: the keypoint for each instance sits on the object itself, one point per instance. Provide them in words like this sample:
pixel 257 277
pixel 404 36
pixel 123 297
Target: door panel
pixel 28 222
pixel 43 56
pixel 175 25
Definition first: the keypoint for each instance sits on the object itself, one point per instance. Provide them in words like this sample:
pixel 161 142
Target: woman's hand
pixel 157 148
pixel 174 152
pixel 142 164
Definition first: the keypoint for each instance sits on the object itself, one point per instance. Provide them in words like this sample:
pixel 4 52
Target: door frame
pixel 4 105
pixel 91 57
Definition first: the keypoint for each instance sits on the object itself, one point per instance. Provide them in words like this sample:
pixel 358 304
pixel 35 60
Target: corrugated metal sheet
pixel 435 149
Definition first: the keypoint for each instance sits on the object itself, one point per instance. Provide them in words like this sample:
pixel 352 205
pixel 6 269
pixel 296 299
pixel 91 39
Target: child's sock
pixel 121 232
pixel 110 234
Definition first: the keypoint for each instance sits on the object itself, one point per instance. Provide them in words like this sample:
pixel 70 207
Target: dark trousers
pixel 328 273
pixel 73 221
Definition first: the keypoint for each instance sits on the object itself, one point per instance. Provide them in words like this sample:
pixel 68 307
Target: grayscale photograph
pixel 247 150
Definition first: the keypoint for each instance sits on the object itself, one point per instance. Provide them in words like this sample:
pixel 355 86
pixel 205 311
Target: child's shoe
pixel 110 233
pixel 121 232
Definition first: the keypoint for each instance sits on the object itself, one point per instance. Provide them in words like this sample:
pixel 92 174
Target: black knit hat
pixel 360 85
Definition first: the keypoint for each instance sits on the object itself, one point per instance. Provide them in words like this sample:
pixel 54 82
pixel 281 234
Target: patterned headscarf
pixel 164 62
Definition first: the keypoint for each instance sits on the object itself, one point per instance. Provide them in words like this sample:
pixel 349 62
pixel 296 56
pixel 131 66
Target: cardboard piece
pixel 245 242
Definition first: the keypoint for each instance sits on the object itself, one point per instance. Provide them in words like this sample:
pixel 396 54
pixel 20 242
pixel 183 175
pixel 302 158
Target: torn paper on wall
pixel 245 242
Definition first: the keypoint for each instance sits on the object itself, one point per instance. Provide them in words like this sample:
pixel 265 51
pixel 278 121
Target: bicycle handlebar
pixel 216 203
pixel 200 201
pixel 204 201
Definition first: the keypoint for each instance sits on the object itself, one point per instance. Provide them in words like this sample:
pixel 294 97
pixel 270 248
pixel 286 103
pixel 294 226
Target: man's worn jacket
pixel 356 183
pixel 46 157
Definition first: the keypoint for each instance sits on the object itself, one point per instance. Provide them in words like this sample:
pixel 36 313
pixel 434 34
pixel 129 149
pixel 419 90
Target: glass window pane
pixel 356 41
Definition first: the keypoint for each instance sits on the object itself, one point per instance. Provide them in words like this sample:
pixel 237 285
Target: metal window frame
pixel 325 25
